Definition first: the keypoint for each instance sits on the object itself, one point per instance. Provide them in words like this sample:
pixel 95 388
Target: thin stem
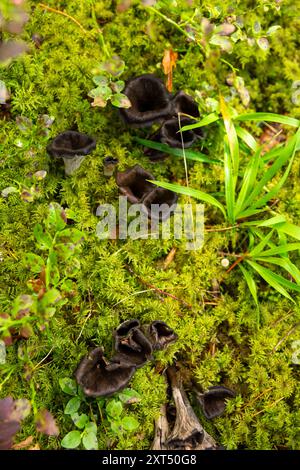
pixel 63 13
pixel 239 260
pixel 101 37
pixel 221 229
pixel 157 12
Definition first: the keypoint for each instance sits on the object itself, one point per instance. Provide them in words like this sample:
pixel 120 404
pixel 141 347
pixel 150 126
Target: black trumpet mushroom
pixel 161 335
pixel 171 135
pixel 213 400
pixel 100 377
pixel 131 344
pixel 188 433
pixel 72 147
pixel 133 184
pixel 185 104
pixel 150 101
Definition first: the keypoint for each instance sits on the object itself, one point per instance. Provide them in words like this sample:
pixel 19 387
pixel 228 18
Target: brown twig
pixel 53 10
pixel 170 257
pixel 220 229
pixel 156 289
pixel 291 330
pixel 235 263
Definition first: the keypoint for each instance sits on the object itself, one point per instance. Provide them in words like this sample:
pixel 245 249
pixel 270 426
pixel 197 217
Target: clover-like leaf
pixel 68 386
pixel 114 409
pixel 71 440
pixel 121 101
pixel 72 406
pixel 130 424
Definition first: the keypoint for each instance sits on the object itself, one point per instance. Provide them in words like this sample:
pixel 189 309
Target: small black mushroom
pixel 188 433
pixel 109 165
pixel 161 335
pixel 153 154
pixel 185 104
pixel 131 344
pixel 133 183
pixel 72 147
pixel 150 101
pixel 171 135
pixel 213 400
pixel 157 203
pixel 99 377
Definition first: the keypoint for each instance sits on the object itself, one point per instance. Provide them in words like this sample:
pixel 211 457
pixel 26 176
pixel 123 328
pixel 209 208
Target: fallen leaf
pixel 21 445
pixel 169 63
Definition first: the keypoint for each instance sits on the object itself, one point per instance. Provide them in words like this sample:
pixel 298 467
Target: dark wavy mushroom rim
pixel 99 377
pixel 160 203
pixel 161 334
pixel 71 143
pixel 150 101
pixel 133 183
pixel 185 104
pixel 131 344
pixel 213 400
pixel 170 133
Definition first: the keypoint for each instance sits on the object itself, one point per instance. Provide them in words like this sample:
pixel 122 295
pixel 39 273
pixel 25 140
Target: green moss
pixel 55 80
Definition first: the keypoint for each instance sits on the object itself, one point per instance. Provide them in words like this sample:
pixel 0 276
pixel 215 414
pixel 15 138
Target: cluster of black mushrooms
pixel 151 103
pixel 134 346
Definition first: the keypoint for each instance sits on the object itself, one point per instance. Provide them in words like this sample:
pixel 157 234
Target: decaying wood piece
pixel 161 431
pixel 188 433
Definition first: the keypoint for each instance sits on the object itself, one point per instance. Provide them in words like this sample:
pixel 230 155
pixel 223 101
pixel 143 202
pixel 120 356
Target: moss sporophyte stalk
pixel 175 103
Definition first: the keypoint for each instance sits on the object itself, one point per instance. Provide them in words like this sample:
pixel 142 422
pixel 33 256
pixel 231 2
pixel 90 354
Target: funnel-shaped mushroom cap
pixel 161 334
pixel 170 133
pixel 99 377
pixel 213 401
pixel 150 101
pixel 133 183
pixel 70 144
pixel 131 344
pixel 185 104
pixel 153 154
pixel 160 203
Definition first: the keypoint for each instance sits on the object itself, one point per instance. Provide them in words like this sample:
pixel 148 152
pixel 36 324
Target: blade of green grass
pixel 286 153
pixel 280 249
pixel 250 282
pixel 249 181
pixel 281 225
pixel 259 248
pixel 278 219
pixel 210 118
pixel 190 154
pixel 229 183
pixel 247 138
pixel 271 117
pixel 232 137
pixel 274 280
pixel 193 193
pixel 275 190
pixel 283 263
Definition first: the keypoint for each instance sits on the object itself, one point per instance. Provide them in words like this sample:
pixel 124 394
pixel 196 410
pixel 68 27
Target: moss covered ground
pixel 220 341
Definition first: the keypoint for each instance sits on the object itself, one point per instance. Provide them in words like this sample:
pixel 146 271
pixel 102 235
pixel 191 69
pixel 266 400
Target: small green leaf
pixel 72 406
pixel 100 80
pixel 224 43
pixel 120 101
pixel 56 219
pixel 71 440
pixel 43 238
pixel 269 117
pixel 91 427
pixel 118 86
pixel 130 424
pixel 263 43
pixel 89 440
pixel 80 421
pixel 129 396
pixel 68 386
pixel 114 408
pixel 210 118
